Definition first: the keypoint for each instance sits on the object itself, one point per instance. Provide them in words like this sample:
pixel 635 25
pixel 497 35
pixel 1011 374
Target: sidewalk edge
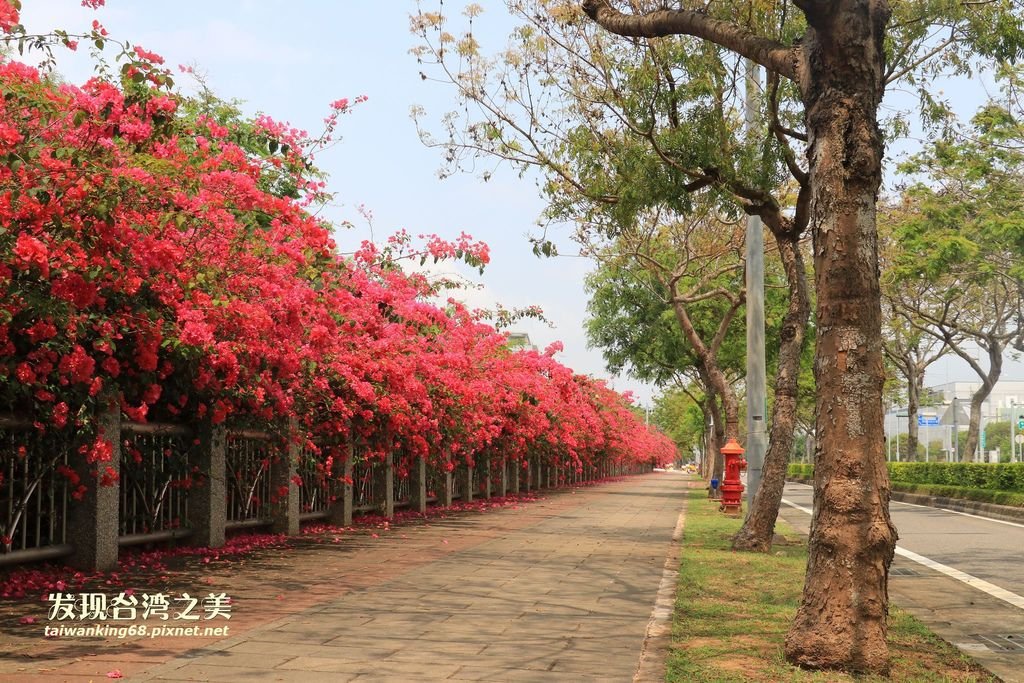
pixel 658 638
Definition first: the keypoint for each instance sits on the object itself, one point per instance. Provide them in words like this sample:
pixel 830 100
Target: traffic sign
pixel 1019 438
pixel 928 420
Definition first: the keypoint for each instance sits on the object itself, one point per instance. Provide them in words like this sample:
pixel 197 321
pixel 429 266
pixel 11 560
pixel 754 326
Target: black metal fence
pixel 167 487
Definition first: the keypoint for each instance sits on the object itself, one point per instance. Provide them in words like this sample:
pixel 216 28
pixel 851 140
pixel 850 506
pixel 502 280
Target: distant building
pixel 520 341
pixel 1006 397
pixel 951 409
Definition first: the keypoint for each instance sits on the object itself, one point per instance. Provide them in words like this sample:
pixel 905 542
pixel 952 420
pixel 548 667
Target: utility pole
pixel 956 433
pixel 756 402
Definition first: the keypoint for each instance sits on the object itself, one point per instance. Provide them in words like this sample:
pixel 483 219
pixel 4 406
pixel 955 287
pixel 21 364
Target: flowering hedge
pixel 160 251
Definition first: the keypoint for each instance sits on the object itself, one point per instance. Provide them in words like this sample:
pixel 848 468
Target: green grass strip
pixel 733 611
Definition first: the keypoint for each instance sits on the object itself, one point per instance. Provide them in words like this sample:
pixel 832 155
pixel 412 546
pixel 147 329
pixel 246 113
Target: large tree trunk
pixel 715 458
pixel 759 527
pixel 988 381
pixel 709 444
pixel 841 622
pixel 716 381
pixel 839 66
pixel 914 379
pixel 722 398
pixel 703 466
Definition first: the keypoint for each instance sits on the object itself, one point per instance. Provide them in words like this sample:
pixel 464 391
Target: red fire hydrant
pixel 732 488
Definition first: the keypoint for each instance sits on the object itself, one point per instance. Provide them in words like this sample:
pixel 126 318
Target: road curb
pixel 1005 513
pixel 658 638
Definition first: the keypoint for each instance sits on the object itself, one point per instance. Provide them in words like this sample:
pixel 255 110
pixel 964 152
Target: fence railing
pixel 248 458
pixel 34 492
pixel 155 475
pixel 318 489
pixel 173 482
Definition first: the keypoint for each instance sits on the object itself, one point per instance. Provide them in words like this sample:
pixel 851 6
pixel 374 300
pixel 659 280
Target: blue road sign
pixel 928 420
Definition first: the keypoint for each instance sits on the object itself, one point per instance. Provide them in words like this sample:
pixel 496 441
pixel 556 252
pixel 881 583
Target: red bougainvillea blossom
pixel 160 254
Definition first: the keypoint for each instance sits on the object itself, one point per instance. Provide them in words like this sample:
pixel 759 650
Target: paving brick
pixel 558 590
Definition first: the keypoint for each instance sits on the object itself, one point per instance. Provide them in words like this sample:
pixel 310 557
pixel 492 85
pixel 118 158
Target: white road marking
pixel 952 512
pixel 972 581
pixel 965 514
pixel 972 647
pixel 801 508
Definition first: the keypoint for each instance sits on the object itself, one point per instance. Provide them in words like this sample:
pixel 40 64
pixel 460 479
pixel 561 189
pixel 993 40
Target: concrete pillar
pixel 389 485
pixel 207 504
pixel 419 485
pixel 341 508
pixel 487 477
pixel 93 521
pixel 446 495
pixel 284 510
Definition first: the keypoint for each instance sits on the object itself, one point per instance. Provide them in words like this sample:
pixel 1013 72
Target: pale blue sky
pixel 291 59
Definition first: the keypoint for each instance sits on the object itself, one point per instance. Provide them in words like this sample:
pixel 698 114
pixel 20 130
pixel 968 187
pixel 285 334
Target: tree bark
pixel 839 67
pixel 718 422
pixel 988 381
pixel 716 379
pixel 914 380
pixel 841 622
pixel 779 58
pixel 719 389
pixel 758 528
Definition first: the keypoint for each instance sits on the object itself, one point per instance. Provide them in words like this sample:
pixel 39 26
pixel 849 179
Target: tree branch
pixel 782 59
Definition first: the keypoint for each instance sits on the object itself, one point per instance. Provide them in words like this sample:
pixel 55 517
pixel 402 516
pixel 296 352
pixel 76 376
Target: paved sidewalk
pixel 557 590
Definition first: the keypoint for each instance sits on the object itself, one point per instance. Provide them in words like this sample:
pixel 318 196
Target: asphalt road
pixel 961 574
